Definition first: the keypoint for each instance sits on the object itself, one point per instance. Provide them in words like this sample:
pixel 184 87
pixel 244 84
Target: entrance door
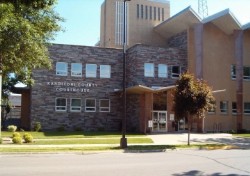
pixel 159 119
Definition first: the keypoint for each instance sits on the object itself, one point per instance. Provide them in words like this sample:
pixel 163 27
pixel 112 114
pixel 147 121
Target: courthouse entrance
pixel 159 120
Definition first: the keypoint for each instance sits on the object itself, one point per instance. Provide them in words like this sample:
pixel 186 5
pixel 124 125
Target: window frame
pixel 246 111
pixel 90 108
pixel 213 109
pixel 103 109
pixel 56 106
pixel 175 75
pixel 162 74
pixel 103 73
pixel 150 73
pixel 233 72
pixel 246 77
pixel 89 73
pixel 63 72
pixel 71 107
pixel 222 109
pixel 234 110
pixel 72 71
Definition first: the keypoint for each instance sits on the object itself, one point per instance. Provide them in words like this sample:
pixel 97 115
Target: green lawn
pixel 63 135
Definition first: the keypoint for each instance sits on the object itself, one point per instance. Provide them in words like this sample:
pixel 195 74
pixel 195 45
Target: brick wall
pixel 45 91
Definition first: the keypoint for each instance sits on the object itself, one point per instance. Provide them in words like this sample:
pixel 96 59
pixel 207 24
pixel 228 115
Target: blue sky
pixel 82 25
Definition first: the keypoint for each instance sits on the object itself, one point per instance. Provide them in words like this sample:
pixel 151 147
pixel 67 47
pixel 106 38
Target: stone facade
pixel 48 86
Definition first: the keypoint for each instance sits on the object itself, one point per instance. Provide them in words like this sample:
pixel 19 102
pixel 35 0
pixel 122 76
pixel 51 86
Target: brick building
pixel 83 89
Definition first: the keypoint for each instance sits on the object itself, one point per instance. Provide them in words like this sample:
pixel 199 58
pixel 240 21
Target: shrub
pixel 61 129
pixel 16 134
pixel 1 141
pixel 28 138
pixel 11 128
pixel 17 140
pixel 37 126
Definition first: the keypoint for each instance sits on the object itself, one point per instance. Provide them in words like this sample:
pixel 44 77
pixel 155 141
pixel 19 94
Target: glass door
pixel 159 119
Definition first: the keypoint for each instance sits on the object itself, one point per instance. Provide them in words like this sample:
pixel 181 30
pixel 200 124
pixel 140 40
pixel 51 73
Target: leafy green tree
pixel 192 98
pixel 26 29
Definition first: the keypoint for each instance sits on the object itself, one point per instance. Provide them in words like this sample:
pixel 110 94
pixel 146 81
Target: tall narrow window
pixel 162 71
pixel 224 107
pixel 150 13
pixel 76 69
pixel 138 11
pixel 146 12
pixel 247 107
pixel 104 105
pixel 154 13
pixel 159 14
pixel 90 105
pixel 246 73
pixel 141 11
pixel 61 104
pixel 105 71
pixel 62 68
pixel 233 71
pixel 91 70
pixel 162 14
pixel 234 108
pixel 75 105
pixel 175 71
pixel 149 70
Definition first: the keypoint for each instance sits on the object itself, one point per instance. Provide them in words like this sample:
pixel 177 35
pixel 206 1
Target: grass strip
pixel 245 135
pixel 75 134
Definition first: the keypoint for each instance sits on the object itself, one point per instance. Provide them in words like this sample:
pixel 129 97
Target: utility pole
pixel 123 142
pixel 203 8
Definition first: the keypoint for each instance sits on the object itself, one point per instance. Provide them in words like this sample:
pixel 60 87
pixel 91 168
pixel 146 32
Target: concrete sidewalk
pixel 211 138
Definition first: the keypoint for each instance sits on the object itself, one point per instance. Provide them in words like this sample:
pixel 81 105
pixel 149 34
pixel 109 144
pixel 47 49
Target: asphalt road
pixel 177 163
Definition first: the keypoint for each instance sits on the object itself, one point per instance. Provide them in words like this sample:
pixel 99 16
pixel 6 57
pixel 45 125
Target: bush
pixel 1 141
pixel 17 140
pixel 28 138
pixel 16 134
pixel 11 128
pixel 37 126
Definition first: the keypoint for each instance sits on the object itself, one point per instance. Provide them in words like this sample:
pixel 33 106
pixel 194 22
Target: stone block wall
pixel 49 86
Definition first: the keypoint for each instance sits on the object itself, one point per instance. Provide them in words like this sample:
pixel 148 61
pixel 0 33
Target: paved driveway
pixel 181 138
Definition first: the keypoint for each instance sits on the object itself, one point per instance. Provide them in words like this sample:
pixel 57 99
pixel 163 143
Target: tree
pixel 26 29
pixel 192 98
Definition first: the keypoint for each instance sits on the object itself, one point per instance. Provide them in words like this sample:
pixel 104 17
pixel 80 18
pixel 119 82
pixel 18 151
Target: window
pixel 223 107
pixel 162 71
pixel 91 70
pixel 76 69
pixel 234 108
pixel 159 14
pixel 141 11
pixel 146 12
pixel 162 16
pixel 62 68
pixel 105 71
pixel 246 73
pixel 175 71
pixel 104 105
pixel 149 70
pixel 90 105
pixel 61 104
pixel 150 13
pixel 75 105
pixel 138 11
pixel 154 13
pixel 233 71
pixel 212 109
pixel 247 108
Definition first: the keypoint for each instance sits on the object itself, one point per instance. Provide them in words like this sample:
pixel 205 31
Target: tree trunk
pixel 189 127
